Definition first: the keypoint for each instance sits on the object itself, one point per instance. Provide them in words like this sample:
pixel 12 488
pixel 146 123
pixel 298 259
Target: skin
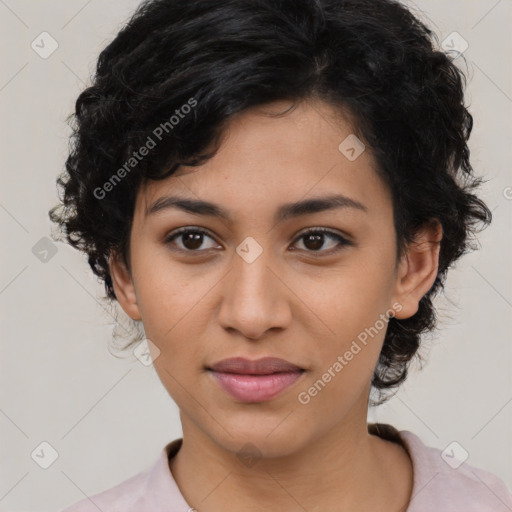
pixel 305 305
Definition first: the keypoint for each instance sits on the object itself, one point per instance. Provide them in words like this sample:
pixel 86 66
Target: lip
pixel 263 366
pixel 255 380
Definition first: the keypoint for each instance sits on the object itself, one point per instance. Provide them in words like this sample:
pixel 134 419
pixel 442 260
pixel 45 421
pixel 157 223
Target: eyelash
pixel 342 241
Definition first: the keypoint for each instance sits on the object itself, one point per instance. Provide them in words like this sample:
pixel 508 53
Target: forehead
pixel 263 159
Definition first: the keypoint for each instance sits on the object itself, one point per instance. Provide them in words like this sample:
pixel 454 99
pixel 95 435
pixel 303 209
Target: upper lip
pixel 263 366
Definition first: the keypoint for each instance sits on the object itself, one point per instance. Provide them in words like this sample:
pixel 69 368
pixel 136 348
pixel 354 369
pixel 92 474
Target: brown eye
pixel 191 239
pixel 314 240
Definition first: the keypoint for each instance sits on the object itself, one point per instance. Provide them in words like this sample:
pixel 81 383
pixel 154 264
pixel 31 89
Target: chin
pixel 259 438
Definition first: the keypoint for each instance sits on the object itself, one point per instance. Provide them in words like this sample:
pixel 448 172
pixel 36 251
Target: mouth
pixel 255 380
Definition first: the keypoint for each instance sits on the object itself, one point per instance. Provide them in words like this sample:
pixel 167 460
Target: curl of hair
pixel 372 59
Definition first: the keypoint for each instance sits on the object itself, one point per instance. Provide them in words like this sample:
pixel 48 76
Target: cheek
pixel 166 296
pixel 346 359
pixel 171 326
pixel 166 313
pixel 355 299
pixel 351 306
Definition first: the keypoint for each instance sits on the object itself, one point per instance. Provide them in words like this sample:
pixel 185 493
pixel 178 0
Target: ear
pixel 124 287
pixel 418 268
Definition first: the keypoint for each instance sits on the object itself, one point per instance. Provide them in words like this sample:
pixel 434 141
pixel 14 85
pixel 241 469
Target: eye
pixel 191 239
pixel 314 239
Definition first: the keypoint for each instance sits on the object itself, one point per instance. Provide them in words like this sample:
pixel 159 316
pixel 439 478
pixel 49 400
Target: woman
pixel 276 190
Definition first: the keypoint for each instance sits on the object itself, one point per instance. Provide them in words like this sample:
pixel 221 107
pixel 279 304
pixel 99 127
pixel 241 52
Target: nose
pixel 255 297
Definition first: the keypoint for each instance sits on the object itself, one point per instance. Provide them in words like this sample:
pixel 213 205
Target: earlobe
pixel 124 287
pixel 418 269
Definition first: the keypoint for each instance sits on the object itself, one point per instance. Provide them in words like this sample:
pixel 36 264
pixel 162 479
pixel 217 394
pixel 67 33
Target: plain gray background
pixel 109 417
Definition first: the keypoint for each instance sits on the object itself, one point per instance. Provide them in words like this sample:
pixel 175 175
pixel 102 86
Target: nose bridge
pixel 251 275
pixel 252 300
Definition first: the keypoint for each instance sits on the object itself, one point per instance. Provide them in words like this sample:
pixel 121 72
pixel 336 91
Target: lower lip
pixel 255 388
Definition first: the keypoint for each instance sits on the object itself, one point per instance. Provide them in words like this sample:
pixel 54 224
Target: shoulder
pixel 442 479
pixel 116 499
pixel 146 490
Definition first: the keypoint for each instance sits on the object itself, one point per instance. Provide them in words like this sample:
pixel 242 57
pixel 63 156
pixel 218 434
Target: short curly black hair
pixel 180 69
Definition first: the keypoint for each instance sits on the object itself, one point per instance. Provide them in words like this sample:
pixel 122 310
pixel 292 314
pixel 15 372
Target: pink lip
pixel 255 381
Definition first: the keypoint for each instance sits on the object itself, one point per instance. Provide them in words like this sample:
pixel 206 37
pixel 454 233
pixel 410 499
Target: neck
pixel 345 469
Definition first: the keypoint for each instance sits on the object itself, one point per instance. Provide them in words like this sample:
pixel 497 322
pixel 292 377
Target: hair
pixel 200 62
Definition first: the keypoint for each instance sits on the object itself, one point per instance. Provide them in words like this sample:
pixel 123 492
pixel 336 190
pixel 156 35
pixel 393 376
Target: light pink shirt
pixel 437 487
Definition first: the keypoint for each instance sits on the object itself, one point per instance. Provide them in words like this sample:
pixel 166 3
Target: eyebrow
pixel 285 212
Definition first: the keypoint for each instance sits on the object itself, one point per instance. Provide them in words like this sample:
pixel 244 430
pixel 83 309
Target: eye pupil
pixel 194 237
pixel 317 241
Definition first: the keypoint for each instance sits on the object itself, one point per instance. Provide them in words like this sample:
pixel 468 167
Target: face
pixel 313 286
